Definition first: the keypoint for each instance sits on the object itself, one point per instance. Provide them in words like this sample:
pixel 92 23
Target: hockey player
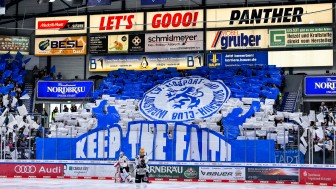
pixel 141 164
pixel 123 168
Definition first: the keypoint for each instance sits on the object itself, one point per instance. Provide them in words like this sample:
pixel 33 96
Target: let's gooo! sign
pixel 172 20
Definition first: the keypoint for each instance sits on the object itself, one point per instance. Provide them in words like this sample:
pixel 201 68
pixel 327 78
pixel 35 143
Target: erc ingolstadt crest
pixel 184 99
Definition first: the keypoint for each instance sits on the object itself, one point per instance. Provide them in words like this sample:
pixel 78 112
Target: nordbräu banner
pixel 320 85
pixel 64 89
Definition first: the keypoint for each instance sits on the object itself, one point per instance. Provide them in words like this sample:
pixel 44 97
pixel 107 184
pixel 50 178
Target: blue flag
pixel 153 2
pixel 98 2
pixel 19 56
pixel 53 69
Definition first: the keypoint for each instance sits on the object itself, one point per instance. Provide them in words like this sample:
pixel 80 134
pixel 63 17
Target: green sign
pixel 301 37
pixel 173 172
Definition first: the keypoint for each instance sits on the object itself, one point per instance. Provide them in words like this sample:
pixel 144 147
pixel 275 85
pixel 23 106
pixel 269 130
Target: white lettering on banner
pixel 50 170
pixel 330 84
pixel 114 142
pixel 180 135
pixel 140 134
pixel 92 146
pixel 165 169
pixel 160 142
pixel 116 22
pixel 190 19
pixel 64 90
pixel 271 15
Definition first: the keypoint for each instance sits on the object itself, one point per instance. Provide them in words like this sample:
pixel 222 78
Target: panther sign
pixel 184 99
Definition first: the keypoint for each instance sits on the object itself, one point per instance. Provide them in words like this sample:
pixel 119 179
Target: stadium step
pixel 29 102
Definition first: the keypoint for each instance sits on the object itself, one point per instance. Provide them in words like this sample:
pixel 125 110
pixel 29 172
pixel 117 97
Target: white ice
pixel 16 183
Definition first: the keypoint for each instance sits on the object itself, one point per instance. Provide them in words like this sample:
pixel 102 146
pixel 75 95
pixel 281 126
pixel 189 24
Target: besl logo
pixel 184 99
pixel 75 45
pixel 43 45
pixel 277 38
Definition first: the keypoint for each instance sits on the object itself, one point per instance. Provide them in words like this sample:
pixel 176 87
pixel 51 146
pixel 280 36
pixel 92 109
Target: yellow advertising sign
pixel 59 46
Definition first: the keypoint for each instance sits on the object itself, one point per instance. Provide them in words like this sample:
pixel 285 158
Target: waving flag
pixel 53 69
pixel 153 2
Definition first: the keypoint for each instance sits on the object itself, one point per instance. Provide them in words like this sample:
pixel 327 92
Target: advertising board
pixel 60 46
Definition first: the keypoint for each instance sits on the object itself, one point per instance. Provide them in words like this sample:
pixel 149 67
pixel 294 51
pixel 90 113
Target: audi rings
pixel 25 169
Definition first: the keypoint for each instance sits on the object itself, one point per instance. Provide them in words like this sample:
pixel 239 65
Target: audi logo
pixel 25 169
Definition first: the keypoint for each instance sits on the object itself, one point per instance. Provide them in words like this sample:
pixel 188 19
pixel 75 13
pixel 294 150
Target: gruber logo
pixel 184 99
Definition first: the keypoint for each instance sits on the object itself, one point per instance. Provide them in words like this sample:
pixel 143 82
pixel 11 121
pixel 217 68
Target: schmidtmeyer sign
pixel 182 41
pixel 320 85
pixel 269 16
pixel 64 89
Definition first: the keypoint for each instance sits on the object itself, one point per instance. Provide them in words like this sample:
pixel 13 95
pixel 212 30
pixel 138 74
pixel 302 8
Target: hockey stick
pixel 147 155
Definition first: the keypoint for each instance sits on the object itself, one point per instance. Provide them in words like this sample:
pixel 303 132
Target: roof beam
pixel 66 3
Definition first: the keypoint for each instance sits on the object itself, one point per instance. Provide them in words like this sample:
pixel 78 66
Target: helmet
pixel 142 150
pixel 121 154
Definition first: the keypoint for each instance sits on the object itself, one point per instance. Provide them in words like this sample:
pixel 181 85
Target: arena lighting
pixel 45 1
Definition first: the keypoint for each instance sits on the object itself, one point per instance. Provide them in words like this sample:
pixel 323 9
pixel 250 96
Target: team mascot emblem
pixel 184 99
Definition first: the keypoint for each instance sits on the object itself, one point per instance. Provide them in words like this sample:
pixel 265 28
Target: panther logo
pixel 187 96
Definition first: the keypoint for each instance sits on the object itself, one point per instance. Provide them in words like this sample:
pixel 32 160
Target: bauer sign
pixel 173 20
pixel 116 22
pixel 270 15
pixel 61 25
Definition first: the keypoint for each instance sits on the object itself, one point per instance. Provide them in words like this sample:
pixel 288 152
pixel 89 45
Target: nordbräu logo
pixel 184 99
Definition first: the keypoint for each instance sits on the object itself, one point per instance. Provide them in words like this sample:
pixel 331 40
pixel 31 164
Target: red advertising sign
pixel 318 175
pixel 61 25
pixel 190 19
pixel 116 22
pixel 26 170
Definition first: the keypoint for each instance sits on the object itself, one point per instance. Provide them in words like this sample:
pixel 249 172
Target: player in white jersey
pixel 123 168
pixel 142 169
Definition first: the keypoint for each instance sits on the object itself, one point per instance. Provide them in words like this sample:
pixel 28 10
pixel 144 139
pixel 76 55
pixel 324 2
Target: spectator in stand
pixel 36 73
pixel 73 108
pixel 59 76
pixel 54 113
pixel 65 109
pixel 44 117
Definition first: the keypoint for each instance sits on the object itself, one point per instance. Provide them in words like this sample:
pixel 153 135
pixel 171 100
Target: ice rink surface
pixel 20 183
